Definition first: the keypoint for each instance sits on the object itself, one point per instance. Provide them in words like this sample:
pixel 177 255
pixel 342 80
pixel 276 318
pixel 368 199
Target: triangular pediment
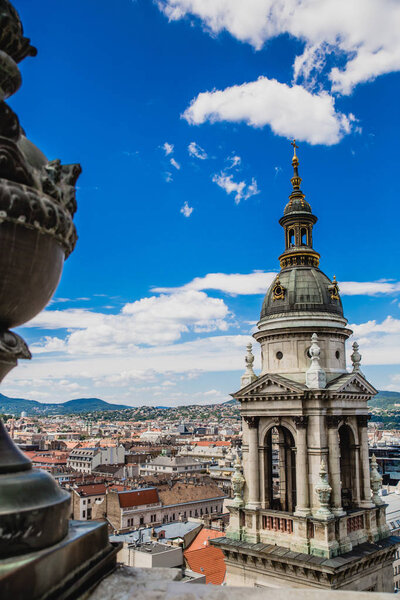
pixel 352 383
pixel 269 384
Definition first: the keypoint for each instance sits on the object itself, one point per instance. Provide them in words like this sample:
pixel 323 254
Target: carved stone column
pixel 365 501
pixel 302 485
pixel 253 474
pixel 332 423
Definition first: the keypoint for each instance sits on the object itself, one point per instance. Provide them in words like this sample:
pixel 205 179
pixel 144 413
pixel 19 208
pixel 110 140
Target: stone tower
pixel 306 517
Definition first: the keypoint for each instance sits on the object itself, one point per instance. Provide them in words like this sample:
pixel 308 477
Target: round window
pixel 337 354
pixel 279 355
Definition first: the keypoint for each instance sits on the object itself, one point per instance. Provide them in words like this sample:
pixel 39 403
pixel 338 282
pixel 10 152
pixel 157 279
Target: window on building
pixel 304 237
pixel 83 514
pixel 291 238
pixel 141 521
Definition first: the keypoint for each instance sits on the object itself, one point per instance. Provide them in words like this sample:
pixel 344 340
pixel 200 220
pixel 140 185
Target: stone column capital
pixel 332 421
pixel 252 422
pixel 300 421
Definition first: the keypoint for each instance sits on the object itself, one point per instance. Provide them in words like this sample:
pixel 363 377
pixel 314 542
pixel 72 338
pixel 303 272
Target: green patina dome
pixel 305 289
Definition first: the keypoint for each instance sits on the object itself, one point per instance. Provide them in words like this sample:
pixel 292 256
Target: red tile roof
pixel 138 497
pixel 96 489
pixel 205 443
pixel 201 539
pixel 205 559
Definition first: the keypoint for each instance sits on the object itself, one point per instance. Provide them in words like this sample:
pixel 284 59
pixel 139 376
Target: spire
pixel 296 180
pixel 298 222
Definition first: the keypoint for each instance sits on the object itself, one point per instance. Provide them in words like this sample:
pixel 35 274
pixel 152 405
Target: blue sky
pixel 180 113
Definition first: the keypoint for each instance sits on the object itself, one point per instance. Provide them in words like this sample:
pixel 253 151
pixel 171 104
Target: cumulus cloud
pixel 175 164
pixel 350 29
pixel 186 210
pixel 290 111
pixel 155 320
pixel 233 284
pixel 379 342
pixel 168 148
pixel 197 151
pixel 258 282
pixel 241 189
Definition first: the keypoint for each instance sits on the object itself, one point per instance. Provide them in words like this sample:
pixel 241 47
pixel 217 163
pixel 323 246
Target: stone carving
pixel 376 481
pixel 238 482
pixel 315 375
pixel 356 358
pixel 323 491
pixel 252 422
pixel 300 422
pixel 249 376
pixel 278 291
pixel 36 235
pixel 12 40
pixel 334 289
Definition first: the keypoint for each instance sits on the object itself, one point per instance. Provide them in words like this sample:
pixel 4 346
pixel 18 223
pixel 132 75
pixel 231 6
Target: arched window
pixel 292 240
pixel 304 236
pixel 280 470
pixel 347 467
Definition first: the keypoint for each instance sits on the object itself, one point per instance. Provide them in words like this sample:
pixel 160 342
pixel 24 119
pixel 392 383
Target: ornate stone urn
pixel 238 484
pixel 323 491
pixel 376 481
pixel 37 205
pixel 42 553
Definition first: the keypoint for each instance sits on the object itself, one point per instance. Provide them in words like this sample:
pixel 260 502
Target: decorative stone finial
pixel 238 482
pixel 315 376
pixel 323 491
pixel 356 358
pixel 249 375
pixel 376 481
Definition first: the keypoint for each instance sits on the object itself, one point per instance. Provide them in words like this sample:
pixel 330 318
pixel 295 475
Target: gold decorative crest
pixel 334 289
pixel 278 291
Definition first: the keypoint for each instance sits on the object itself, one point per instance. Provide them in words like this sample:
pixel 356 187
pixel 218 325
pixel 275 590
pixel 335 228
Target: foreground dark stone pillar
pixel 42 553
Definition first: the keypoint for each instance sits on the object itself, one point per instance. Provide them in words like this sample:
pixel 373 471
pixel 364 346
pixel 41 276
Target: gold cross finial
pixel 294 148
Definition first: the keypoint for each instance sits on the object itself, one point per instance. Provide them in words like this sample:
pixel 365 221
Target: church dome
pixel 297 204
pixel 302 289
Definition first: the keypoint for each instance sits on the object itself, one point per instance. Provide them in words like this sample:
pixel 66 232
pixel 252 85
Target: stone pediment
pixel 352 383
pixel 269 384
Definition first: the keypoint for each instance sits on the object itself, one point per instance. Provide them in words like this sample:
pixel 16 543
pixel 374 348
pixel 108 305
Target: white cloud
pixel 186 210
pixel 175 164
pixel 290 111
pixel 168 177
pixel 233 284
pixel 258 282
pixel 379 342
pixel 362 32
pixel 240 189
pixel 168 148
pixel 155 320
pixel 368 288
pixel 234 161
pixel 197 151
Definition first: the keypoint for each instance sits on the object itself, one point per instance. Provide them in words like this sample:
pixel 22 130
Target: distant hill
pixel 81 405
pixel 386 400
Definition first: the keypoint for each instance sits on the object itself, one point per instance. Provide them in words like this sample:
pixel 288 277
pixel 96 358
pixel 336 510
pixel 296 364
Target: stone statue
pixel 356 358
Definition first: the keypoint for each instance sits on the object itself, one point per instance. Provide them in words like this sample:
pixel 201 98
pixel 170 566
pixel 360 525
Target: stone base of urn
pixel 65 571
